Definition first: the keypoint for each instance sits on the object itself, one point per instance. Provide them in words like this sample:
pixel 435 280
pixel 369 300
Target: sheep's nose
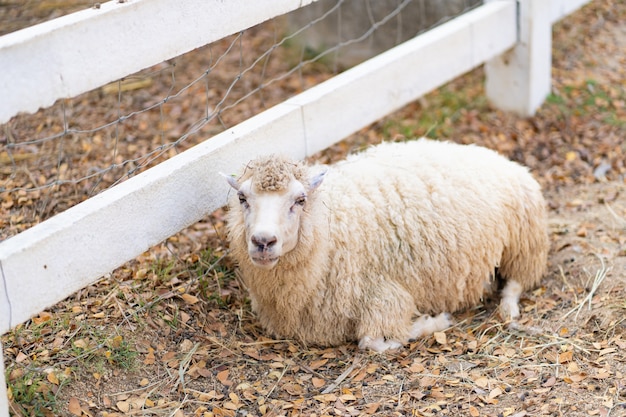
pixel 263 242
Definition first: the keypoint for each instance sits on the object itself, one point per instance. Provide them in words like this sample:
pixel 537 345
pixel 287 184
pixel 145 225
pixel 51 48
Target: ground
pixel 171 333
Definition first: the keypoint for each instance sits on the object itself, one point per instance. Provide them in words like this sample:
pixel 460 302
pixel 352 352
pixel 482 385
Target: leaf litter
pixel 171 333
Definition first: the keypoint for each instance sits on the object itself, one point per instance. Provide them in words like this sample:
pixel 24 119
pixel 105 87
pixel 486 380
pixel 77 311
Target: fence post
pixel 4 399
pixel 520 79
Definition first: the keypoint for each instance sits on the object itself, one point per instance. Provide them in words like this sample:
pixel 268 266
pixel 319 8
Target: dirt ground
pixel 171 333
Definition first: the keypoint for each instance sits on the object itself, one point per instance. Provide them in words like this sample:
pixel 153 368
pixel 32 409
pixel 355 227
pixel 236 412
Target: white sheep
pixel 380 247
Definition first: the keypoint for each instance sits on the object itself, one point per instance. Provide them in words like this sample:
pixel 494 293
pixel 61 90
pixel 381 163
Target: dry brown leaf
pixel 440 337
pixel 116 342
pixel 21 357
pixel 607 351
pixel 372 408
pixel 294 389
pixel 602 374
pixel 549 382
pixel 318 364
pixel 427 381
pixel 123 406
pixel 230 405
pixel 43 317
pixel 80 343
pixel 74 406
pixel 189 298
pixel 417 367
pixel 52 378
pixel 150 358
pixel 318 382
pixel 223 377
pixel 372 368
pixel 565 357
pixel 496 392
pixel 482 381
pixel 575 377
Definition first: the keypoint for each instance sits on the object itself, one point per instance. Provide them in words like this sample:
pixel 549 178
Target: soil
pixel 171 333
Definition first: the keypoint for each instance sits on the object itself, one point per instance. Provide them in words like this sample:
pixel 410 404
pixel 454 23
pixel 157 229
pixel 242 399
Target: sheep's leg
pixel 426 325
pixel 423 326
pixel 509 305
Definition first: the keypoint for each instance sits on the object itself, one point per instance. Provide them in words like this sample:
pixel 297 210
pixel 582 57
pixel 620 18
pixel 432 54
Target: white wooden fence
pixel 50 261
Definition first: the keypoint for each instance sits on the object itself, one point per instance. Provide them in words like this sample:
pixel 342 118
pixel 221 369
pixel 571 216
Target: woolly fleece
pixel 400 230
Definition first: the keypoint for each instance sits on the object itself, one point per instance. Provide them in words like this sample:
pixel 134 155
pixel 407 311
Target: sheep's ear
pixel 231 181
pixel 317 179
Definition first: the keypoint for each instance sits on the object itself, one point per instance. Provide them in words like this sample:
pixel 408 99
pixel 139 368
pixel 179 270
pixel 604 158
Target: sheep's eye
pixel 242 199
pixel 301 200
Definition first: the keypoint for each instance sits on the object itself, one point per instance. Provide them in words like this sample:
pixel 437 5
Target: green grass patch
pixel 606 103
pixel 31 393
pixel 438 115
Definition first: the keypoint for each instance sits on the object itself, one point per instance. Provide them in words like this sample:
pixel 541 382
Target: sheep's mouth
pixel 264 261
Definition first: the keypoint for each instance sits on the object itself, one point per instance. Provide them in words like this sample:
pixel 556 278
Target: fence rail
pixel 50 261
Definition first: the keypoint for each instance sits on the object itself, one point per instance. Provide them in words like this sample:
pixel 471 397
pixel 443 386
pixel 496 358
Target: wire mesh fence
pixel 80 146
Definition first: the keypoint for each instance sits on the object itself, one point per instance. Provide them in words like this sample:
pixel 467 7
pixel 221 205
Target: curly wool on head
pixel 274 172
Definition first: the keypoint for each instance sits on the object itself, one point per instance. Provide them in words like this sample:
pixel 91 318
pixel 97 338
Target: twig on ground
pixel 277 381
pixel 343 376
pixel 184 365
pixel 400 391
pixel 614 214
pixel 262 342
pixel 598 279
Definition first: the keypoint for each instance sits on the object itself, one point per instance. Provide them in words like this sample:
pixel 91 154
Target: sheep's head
pixel 273 192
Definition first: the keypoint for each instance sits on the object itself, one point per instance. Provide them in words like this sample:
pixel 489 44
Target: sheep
pixel 382 247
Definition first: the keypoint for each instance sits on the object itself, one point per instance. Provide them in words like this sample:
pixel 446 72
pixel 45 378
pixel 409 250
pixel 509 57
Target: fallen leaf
pixel 318 364
pixel 318 382
pixel 123 406
pixel 372 408
pixel 74 407
pixel 150 358
pixel 43 317
pixel 52 378
pixel 578 377
pixel 189 299
pixel 549 382
pixel 607 351
pixel 482 382
pixel 495 393
pixel 21 357
pixel 565 357
pixel 116 342
pixel 223 377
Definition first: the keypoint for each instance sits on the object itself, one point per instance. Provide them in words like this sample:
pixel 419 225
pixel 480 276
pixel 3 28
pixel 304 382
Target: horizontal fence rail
pixel 52 260
pixel 130 28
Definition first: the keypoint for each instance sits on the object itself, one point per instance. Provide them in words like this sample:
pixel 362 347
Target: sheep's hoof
pixel 509 305
pixel 509 311
pixel 426 325
pixel 378 344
